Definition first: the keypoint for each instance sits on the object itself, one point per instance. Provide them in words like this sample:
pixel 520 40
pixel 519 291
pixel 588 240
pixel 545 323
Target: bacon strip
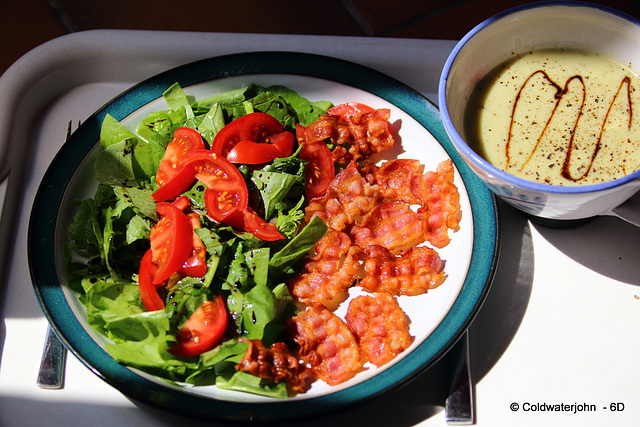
pixel 391 225
pixel 412 273
pixel 363 135
pixel 349 197
pixel 329 273
pixel 440 202
pixel 371 132
pixel 380 326
pixel 327 345
pixel 276 364
pixel 394 178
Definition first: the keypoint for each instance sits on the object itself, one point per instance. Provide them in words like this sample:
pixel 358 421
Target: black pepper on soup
pixel 556 116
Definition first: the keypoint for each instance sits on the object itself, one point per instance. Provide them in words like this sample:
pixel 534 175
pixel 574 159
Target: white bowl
pixel 573 25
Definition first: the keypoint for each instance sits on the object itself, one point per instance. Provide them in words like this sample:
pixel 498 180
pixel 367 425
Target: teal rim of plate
pixel 43 220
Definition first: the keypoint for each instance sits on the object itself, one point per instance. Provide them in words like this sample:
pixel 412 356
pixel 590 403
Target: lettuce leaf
pixel 126 159
pixel 307 112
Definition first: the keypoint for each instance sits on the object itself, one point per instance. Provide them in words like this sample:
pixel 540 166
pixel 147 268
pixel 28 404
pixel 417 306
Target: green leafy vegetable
pixel 110 233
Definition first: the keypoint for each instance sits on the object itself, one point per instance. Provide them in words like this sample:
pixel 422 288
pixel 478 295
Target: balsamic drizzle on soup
pixel 558 117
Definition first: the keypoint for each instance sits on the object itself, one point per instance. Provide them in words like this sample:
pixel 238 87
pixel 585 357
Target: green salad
pixel 110 234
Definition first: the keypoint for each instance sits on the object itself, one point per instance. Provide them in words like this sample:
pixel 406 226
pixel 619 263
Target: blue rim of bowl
pixel 479 160
pixel 44 217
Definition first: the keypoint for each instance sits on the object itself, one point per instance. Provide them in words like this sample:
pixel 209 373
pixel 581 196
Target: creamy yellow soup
pixel 558 117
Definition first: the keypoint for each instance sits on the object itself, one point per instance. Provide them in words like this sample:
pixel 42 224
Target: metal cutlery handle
pixel 52 365
pixel 54 354
pixel 459 406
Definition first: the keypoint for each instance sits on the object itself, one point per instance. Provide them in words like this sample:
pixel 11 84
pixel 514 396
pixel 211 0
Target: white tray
pixel 558 327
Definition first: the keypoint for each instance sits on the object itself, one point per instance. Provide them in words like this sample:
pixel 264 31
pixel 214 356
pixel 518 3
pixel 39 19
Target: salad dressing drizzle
pixel 559 96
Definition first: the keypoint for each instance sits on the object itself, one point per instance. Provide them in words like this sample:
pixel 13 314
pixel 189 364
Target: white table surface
pixel 559 326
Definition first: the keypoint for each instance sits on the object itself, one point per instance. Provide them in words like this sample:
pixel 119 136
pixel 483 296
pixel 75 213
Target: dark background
pixel 25 24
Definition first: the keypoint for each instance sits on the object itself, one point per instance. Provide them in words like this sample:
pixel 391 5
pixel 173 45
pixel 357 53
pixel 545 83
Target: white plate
pixel 437 318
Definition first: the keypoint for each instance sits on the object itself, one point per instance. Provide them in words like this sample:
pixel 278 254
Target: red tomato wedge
pixel 320 169
pixel 260 228
pixel 171 241
pixel 182 203
pixel 253 139
pixel 148 291
pixel 253 153
pixel 195 265
pixel 203 330
pixel 284 142
pixel 256 127
pixel 251 222
pixel 221 203
pixel 184 141
pixel 226 189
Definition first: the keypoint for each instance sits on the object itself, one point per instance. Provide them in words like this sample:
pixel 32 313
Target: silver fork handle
pixel 54 354
pixel 52 365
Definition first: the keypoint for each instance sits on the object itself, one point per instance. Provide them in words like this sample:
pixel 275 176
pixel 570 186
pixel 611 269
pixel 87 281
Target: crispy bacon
pixel 412 273
pixel 434 192
pixel 391 225
pixel 327 345
pixel 371 132
pixel 327 127
pixel 394 178
pixel 349 197
pixel 329 273
pixel 377 217
pixel 380 326
pixel 440 202
pixel 360 137
pixel 276 364
pixel 356 194
pixel 372 206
